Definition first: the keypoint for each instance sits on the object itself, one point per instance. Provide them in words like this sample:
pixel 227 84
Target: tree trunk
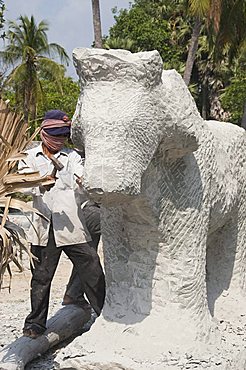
pixel 67 322
pixel 243 123
pixel 26 104
pixel 97 23
pixel 204 100
pixel 33 110
pixel 192 50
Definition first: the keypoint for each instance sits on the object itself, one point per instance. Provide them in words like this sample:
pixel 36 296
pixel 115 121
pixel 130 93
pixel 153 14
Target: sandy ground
pixel 15 305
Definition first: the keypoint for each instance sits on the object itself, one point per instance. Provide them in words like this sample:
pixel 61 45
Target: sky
pixel 70 21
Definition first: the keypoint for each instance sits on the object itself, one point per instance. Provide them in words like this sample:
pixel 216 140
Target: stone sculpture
pixel 173 192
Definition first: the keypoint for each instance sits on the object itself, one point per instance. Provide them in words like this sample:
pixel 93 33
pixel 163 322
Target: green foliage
pixel 166 25
pixel 54 99
pixel 64 98
pixel 144 29
pixel 29 55
pixel 121 43
pixel 152 25
pixel 234 97
pixel 232 31
pixel 199 7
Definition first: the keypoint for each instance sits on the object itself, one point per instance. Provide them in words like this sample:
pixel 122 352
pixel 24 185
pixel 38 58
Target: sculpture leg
pixel 226 271
pixel 156 297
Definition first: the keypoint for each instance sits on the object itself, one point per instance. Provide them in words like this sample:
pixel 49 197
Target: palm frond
pixel 18 75
pixel 57 50
pixel 51 70
pixel 14 138
pixel 121 43
pixel 199 7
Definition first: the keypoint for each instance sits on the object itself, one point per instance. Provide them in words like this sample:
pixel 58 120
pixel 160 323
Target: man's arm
pixel 28 166
pixel 78 171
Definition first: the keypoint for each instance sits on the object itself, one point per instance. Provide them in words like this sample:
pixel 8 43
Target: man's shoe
pixel 31 333
pixel 81 302
pixel 67 300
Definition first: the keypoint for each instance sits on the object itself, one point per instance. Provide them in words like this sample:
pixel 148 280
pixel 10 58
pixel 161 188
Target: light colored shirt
pixel 62 203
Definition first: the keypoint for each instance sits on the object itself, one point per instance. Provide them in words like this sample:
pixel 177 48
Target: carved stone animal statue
pixel 173 189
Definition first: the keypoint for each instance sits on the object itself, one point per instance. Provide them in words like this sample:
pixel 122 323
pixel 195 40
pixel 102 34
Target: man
pixel 60 202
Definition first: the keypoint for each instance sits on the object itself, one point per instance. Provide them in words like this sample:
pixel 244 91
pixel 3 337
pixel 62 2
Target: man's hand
pixel 79 179
pixel 49 182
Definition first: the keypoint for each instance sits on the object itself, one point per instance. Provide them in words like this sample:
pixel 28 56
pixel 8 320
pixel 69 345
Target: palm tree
pixel 97 23
pixel 231 33
pixel 30 56
pixel 121 43
pixel 199 9
pixel 225 23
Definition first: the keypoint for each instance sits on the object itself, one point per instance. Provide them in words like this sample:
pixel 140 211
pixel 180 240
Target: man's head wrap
pixel 55 128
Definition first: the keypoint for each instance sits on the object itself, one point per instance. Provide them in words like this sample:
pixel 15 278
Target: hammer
pixel 58 166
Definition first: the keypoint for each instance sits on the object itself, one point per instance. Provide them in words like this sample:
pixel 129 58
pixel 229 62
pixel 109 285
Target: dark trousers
pixel 86 263
pixel 74 287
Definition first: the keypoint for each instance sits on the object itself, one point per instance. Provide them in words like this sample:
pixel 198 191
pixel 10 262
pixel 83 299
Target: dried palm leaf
pixel 19 204
pixel 14 182
pixel 14 138
pixel 17 157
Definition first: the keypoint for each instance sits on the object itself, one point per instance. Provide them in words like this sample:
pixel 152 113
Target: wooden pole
pixel 67 322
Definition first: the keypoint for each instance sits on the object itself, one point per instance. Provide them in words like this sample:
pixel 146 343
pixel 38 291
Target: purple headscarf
pixel 54 129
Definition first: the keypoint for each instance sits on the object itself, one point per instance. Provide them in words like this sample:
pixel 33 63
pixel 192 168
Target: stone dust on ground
pixel 15 305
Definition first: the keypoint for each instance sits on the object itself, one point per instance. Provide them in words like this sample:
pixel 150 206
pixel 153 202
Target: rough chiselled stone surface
pixel 173 221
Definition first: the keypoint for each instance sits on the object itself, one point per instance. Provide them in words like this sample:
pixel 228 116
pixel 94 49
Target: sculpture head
pixel 124 116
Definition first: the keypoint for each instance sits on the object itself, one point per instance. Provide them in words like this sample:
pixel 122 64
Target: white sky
pixel 70 21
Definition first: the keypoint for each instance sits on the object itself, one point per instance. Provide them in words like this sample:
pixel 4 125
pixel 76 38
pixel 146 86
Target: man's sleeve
pixel 78 164
pixel 78 172
pixel 27 165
